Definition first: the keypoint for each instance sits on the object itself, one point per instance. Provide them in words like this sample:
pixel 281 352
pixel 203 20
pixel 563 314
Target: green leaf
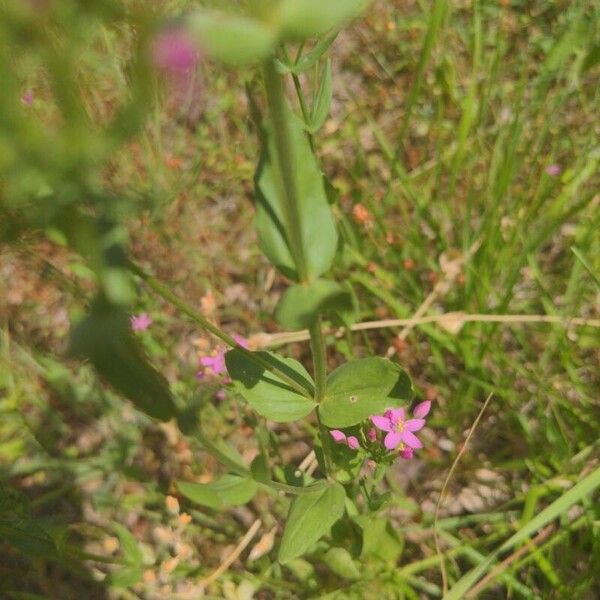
pixel 301 304
pixel 126 577
pixel 361 388
pixel 310 518
pixel 318 230
pixel 322 103
pixel 129 545
pixel 26 535
pixel 229 490
pixel 340 562
pixel 301 19
pixel 105 338
pixel 265 392
pixel 232 39
pixel 558 507
pixel 310 58
pixel 380 538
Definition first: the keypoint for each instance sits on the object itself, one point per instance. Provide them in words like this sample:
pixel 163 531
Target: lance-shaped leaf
pixel 322 103
pixel 229 490
pixel 269 395
pixel 301 304
pixel 317 227
pixel 310 518
pixel 232 39
pixel 361 388
pixel 105 338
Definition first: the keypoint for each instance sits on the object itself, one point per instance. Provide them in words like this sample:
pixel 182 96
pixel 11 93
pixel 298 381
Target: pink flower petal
pixel 410 439
pixel 338 436
pixel 422 409
pixel 392 439
pixel 382 423
pixel 407 453
pixel 141 322
pixel 414 424
pixel 353 443
pixel 395 415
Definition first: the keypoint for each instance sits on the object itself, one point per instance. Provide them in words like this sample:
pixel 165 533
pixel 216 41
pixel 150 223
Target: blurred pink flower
pixel 553 170
pixel 173 51
pixel 27 98
pixel 141 322
pixel 372 434
pixel 400 431
pixel 215 364
pixel 339 437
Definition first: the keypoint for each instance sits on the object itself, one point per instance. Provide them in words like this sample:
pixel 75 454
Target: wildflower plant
pixel 358 410
pixel 360 400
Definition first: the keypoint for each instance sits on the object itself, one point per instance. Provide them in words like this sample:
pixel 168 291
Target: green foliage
pixel 320 109
pixel 133 558
pixel 380 539
pixel 232 39
pixel 18 528
pixel 301 305
pixel 265 392
pixel 317 227
pixel 361 388
pixel 340 561
pixel 105 338
pixel 229 490
pixel 311 517
pixel 301 19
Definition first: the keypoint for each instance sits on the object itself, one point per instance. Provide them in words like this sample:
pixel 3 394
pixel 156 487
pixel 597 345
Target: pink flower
pixel 372 434
pixel 553 170
pixel 215 364
pixel 400 431
pixel 173 51
pixel 339 437
pixel 141 322
pixel 27 98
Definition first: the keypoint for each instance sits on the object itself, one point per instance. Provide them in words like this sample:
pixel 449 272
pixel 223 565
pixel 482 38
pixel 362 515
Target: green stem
pixel 317 344
pixel 169 296
pixel 285 163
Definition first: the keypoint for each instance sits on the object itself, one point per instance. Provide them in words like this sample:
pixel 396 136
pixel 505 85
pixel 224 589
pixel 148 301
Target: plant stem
pixel 317 344
pixel 285 164
pixel 169 296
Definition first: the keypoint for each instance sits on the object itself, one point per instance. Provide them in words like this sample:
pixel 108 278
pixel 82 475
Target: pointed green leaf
pixel 318 230
pixel 341 563
pixel 310 58
pixel 229 490
pixel 126 577
pixel 105 338
pixel 323 100
pixel 301 304
pixel 310 518
pixel 361 388
pixel 266 393
pixel 232 39
pixel 129 545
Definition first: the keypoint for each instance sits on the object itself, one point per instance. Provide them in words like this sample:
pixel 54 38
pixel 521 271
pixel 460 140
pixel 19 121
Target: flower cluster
pixel 400 431
pixel 214 364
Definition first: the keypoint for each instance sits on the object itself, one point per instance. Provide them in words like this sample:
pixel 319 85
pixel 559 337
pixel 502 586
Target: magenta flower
pixel 553 170
pixel 141 322
pixel 339 437
pixel 173 51
pixel 400 431
pixel 215 364
pixel 27 98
